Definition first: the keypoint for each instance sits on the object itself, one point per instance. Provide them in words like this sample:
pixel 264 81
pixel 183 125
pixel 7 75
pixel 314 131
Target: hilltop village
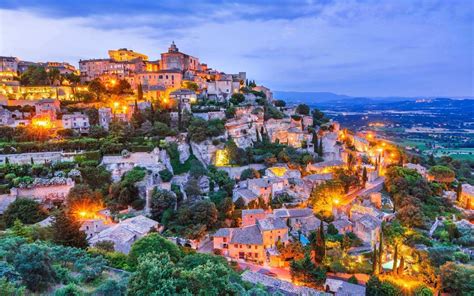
pixel 130 176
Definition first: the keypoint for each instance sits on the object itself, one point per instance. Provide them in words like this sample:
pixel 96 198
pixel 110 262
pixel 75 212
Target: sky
pixel 353 47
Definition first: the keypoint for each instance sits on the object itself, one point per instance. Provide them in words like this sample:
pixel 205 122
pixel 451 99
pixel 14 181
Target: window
pixel 256 255
pixel 224 239
pixel 236 246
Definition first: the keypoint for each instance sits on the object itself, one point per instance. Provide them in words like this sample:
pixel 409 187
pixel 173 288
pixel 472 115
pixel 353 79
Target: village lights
pixel 222 157
pixel 116 105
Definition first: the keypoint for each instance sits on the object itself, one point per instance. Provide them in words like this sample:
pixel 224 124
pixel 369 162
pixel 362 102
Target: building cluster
pixel 171 72
pixel 43 113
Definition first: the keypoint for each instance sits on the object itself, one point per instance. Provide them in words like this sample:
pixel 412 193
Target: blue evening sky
pixel 360 48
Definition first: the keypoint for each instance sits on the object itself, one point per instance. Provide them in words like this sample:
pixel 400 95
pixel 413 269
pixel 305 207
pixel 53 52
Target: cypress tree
pixel 374 261
pixel 315 142
pixel 258 134
pixel 140 92
pixel 364 177
pixel 402 265
pixel 320 246
pixel 458 192
pixel 320 148
pixel 395 259
pixel 380 250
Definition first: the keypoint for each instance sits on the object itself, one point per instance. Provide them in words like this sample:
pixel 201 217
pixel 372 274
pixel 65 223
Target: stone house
pixel 125 233
pixel 251 242
pixel 76 121
pixel 184 97
pixel 367 228
pixel 120 164
pixel 245 194
pixel 250 217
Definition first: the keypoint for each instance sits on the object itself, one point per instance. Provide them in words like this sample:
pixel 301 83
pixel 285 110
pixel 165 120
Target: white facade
pixel 76 121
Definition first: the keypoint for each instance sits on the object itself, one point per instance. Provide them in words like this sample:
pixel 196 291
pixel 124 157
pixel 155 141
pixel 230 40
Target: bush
pixel 166 175
pixel 26 210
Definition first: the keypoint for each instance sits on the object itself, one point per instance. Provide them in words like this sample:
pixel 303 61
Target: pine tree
pixel 7 161
pixel 66 231
pixel 364 177
pixel 258 135
pixel 32 161
pixel 140 92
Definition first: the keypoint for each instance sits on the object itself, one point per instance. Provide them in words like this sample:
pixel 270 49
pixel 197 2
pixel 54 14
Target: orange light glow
pixel 87 210
pixel 116 105
pixel 41 122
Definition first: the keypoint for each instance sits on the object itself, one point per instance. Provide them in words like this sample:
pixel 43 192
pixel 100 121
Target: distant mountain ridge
pixel 329 97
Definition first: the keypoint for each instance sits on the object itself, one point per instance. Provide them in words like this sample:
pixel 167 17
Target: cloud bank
pixel 361 48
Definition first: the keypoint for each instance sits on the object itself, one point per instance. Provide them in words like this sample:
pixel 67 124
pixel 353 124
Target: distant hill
pixel 310 98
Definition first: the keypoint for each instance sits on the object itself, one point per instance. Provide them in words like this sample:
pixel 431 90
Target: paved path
pixel 282 273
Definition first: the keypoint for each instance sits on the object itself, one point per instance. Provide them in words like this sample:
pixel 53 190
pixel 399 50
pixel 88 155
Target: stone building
pixel 253 242
pixel 76 121
pixel 125 233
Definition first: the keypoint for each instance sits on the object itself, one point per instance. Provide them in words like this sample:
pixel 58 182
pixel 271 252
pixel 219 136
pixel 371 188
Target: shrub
pixel 166 175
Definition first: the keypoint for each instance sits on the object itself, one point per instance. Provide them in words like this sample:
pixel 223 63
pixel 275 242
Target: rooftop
pixel 249 235
pixel 271 223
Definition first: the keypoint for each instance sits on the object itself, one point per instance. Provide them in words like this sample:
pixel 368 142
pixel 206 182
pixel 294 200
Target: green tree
pixel 279 103
pixel 33 263
pixel 324 196
pixel 315 142
pixel 66 231
pixel 373 286
pixel 457 278
pixel 26 210
pixel 83 194
pixel 320 148
pixel 140 92
pixel 318 245
pixel 97 88
pixel 8 288
pixel 166 175
pixel 249 174
pixel 441 174
pixel 161 201
pixel 237 98
pixel 302 109
pixel 365 178
pixel 305 271
pixel 153 243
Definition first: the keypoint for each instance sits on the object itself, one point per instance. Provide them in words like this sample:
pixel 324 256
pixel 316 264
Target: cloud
pixel 372 48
